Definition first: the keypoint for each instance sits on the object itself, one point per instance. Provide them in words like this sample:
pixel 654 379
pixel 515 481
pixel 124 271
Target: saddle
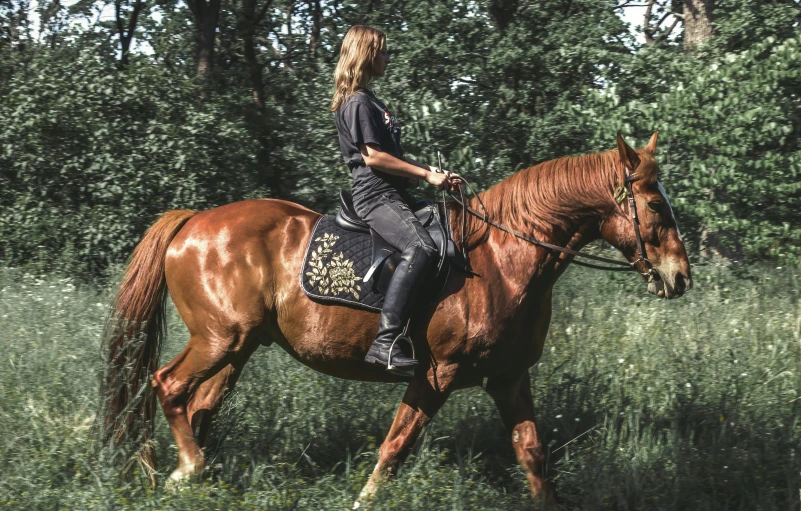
pixel 385 257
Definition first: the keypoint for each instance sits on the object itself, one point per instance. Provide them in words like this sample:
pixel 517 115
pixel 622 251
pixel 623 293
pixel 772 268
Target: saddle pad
pixel 334 266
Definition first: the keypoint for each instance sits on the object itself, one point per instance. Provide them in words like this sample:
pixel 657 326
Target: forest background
pixel 111 113
pixel 108 121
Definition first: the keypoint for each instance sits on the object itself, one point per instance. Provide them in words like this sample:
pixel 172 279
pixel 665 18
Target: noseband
pixel 642 265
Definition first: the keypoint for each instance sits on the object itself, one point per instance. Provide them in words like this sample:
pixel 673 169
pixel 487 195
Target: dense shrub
pixel 90 157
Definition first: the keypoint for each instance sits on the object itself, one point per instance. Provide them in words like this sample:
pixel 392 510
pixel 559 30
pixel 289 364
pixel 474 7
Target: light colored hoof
pixel 365 498
pixel 179 480
pixel 176 485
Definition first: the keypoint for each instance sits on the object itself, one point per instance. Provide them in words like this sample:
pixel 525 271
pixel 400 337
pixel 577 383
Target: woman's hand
pixel 443 180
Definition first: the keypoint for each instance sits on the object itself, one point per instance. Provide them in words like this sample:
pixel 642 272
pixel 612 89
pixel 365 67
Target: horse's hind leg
pixel 205 402
pixel 420 402
pixel 177 381
pixel 514 401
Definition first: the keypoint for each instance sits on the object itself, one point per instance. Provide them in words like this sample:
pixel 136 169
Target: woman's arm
pixel 374 157
pixel 421 165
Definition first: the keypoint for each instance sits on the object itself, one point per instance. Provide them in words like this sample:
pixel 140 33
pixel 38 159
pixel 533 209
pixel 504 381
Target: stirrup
pixel 401 337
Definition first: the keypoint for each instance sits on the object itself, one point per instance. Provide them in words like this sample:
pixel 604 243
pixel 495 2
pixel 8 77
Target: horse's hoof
pixel 177 482
pixel 176 485
pixel 365 500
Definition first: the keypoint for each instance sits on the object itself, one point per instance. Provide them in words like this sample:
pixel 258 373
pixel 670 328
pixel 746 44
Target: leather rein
pixel 620 195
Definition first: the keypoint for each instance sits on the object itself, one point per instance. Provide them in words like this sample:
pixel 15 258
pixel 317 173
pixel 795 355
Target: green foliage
pixel 729 130
pixel 471 89
pixel 91 157
pixel 92 151
pixel 687 404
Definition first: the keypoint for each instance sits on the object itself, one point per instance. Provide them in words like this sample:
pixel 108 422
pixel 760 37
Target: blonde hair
pixel 355 67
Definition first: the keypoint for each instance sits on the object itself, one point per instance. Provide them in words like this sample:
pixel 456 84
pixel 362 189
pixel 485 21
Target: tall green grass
pixel 642 404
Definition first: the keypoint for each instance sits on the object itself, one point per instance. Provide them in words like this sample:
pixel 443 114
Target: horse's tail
pixel 131 344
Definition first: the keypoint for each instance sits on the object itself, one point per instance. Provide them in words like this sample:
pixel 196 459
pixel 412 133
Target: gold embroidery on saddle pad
pixel 334 275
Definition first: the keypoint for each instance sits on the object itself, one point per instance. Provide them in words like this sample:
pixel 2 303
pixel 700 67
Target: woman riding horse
pixel 232 273
pixel 369 137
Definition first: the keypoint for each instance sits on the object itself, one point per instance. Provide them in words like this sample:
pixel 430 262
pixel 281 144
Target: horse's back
pixel 236 259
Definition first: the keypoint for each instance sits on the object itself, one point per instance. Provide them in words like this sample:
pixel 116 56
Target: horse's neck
pixel 524 265
pixel 562 211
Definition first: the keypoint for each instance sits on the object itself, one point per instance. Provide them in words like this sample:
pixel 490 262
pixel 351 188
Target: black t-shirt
pixel 364 119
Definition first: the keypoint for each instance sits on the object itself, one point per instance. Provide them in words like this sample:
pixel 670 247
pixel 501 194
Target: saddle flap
pixel 386 257
pixel 338 259
pixel 381 252
pixel 425 215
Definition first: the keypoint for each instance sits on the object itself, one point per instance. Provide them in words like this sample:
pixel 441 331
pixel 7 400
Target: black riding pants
pixel 390 216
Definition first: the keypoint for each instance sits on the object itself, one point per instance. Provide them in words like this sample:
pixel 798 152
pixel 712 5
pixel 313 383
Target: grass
pixel 643 404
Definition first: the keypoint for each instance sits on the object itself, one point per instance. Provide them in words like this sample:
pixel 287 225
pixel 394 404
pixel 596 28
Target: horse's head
pixel 661 240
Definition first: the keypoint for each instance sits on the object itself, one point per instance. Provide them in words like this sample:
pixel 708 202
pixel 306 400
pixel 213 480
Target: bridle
pixel 642 264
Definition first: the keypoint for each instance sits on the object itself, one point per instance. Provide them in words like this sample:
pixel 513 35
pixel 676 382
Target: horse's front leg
pixel 420 402
pixel 513 398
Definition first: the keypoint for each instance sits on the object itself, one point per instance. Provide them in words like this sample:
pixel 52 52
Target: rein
pixel 620 195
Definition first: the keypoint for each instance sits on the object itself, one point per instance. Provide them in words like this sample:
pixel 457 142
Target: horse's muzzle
pixel 672 282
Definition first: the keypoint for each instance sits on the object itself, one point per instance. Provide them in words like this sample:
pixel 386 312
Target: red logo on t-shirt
pixel 391 122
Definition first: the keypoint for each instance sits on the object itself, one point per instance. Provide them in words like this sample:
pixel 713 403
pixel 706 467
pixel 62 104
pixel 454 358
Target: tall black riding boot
pixel 397 305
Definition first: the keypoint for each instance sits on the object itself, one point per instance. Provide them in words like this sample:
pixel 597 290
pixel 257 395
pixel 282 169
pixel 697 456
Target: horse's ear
pixel 628 156
pixel 651 147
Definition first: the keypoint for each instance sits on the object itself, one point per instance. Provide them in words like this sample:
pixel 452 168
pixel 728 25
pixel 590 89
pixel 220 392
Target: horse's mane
pixel 551 196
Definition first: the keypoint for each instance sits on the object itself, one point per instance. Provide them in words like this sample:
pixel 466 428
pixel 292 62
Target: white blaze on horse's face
pixel 670 208
pixel 664 245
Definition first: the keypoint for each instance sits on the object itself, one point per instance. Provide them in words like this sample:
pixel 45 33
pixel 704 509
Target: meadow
pixel 643 404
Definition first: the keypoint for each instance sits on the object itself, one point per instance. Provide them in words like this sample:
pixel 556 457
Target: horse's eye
pixel 654 205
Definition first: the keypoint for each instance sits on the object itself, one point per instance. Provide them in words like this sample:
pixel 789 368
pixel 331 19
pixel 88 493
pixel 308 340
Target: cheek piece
pixel 643 265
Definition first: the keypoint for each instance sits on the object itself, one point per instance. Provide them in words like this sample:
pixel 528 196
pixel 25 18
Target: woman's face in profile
pixel 380 62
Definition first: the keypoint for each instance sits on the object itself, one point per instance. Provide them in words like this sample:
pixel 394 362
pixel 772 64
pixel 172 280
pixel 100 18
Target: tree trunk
pixel 19 27
pixel 503 11
pixel 126 36
pixel 316 14
pixel 207 16
pixel 250 21
pixel 697 22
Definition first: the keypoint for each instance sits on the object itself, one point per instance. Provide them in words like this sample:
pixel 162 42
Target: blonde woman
pixel 369 137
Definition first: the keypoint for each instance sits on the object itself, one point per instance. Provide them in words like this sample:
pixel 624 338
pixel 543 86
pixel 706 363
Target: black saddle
pixel 386 257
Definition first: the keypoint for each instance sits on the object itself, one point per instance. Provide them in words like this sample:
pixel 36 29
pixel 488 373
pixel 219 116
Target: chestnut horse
pixel 233 272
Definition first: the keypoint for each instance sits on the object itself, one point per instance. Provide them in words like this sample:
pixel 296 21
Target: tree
pixel 663 16
pixel 126 33
pixel 91 153
pixel 731 156
pixel 206 15
pixel 697 22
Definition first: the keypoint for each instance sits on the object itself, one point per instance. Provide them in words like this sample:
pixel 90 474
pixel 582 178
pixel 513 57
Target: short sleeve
pixel 361 123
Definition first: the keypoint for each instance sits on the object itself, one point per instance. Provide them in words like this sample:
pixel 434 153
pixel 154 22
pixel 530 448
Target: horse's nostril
pixel 681 283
